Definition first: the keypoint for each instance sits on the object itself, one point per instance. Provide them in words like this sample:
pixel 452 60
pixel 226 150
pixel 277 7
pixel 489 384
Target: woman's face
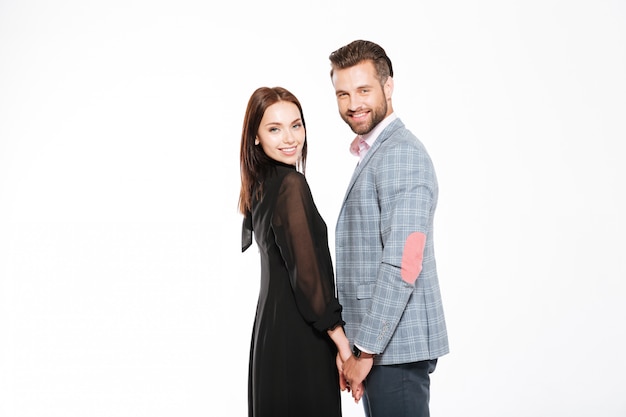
pixel 281 132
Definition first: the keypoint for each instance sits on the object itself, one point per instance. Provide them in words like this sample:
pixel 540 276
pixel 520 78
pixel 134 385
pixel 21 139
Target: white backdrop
pixel 123 290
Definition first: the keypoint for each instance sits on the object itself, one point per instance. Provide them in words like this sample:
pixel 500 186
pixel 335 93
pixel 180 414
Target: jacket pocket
pixel 365 291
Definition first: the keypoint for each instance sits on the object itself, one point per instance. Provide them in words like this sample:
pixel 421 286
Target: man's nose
pixel 355 103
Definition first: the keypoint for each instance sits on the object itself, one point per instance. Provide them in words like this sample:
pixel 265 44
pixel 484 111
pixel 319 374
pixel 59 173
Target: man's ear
pixel 388 88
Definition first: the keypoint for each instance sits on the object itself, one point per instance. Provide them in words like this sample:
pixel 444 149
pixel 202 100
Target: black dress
pixel 292 359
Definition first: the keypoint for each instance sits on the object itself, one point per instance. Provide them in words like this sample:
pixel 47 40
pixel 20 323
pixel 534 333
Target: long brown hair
pixel 255 164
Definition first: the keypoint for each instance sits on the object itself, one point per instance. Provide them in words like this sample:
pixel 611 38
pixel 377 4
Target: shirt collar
pixel 358 149
pixel 370 137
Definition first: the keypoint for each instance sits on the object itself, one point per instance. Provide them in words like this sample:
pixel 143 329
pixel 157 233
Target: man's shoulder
pixel 398 132
pixel 403 140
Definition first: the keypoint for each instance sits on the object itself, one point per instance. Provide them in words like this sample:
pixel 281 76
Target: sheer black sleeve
pixel 302 237
pixel 246 232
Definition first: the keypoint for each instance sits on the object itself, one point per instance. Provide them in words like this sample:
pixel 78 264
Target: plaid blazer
pixel 392 194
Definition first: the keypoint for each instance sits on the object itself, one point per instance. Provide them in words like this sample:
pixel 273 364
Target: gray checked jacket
pixel 391 197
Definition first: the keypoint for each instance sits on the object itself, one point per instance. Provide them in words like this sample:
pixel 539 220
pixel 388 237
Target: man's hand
pixel 354 371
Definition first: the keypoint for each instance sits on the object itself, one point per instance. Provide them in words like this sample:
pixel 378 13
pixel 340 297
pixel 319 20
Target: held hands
pixel 352 370
pixel 352 373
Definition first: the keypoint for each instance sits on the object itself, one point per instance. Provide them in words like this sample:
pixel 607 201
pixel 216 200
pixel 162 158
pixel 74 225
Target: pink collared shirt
pixel 361 143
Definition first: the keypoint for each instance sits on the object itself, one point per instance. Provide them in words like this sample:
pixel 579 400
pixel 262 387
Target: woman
pixel 298 342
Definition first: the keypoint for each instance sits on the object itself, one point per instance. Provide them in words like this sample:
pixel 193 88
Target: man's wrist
pixel 358 353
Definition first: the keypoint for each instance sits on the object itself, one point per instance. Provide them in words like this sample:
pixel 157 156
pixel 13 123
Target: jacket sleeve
pixel 301 236
pixel 405 184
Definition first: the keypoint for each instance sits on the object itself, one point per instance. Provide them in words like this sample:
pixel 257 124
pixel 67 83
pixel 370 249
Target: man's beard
pixel 377 115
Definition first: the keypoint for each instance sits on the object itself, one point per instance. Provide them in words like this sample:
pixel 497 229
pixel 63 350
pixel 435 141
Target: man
pixel 386 274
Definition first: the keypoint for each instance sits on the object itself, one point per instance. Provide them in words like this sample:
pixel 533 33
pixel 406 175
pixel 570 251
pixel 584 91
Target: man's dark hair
pixel 358 51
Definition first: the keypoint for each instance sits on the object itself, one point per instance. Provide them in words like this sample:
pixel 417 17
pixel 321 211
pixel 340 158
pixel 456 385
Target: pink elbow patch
pixel 412 257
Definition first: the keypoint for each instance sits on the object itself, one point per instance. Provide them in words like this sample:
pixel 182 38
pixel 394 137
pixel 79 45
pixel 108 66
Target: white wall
pixel 123 291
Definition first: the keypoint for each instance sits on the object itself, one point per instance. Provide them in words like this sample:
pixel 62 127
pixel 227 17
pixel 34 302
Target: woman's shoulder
pixel 291 175
pixel 285 177
pixel 293 181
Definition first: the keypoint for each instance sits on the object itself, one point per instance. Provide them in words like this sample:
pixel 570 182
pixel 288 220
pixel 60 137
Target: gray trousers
pixel 399 390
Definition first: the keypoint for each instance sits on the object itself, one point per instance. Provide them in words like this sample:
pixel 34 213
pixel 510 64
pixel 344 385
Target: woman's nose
pixel 290 137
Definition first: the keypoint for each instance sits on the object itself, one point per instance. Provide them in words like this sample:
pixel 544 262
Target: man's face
pixel 362 101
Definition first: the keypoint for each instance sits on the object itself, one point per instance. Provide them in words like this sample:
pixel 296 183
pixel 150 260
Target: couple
pixel 380 336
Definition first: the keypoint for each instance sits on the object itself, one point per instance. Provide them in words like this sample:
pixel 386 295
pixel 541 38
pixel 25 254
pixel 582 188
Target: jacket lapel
pixel 384 135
